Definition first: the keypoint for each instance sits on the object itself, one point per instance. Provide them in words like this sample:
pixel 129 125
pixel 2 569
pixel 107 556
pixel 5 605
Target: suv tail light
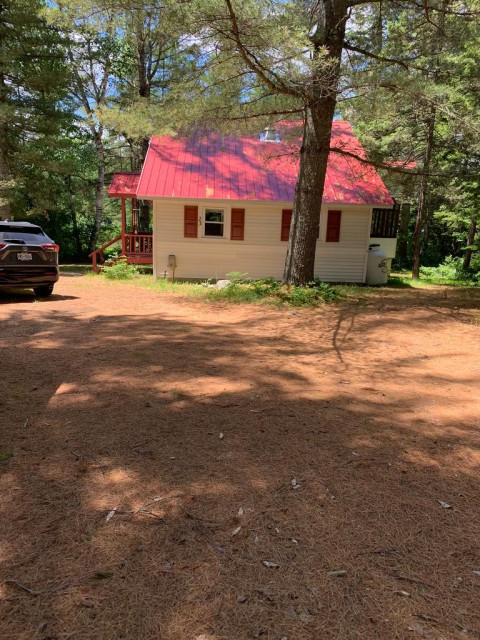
pixel 3 244
pixel 50 247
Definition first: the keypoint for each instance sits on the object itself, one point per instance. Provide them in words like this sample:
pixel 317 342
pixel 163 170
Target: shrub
pixel 112 252
pixel 451 270
pixel 242 289
pixel 119 270
pixel 313 294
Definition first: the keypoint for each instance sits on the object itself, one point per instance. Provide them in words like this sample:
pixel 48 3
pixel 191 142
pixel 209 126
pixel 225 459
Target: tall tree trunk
pixel 144 79
pixel 472 232
pixel 317 130
pixel 99 189
pixel 4 153
pixel 77 243
pixel 402 252
pixel 423 211
pixel 144 143
pixel 300 260
pixel 4 174
pixel 144 62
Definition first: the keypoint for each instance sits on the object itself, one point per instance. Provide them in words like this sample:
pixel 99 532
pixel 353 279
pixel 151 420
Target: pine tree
pixel 150 63
pixel 91 40
pixel 422 107
pixel 32 81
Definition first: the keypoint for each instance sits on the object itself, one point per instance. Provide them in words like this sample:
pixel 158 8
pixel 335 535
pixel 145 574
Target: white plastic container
pixel 377 266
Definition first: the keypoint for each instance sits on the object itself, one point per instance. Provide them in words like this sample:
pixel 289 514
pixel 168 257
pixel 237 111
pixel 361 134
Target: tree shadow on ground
pixel 21 296
pixel 139 439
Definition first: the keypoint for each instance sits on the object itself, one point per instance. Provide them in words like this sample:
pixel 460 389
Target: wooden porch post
pixel 124 228
pixel 134 217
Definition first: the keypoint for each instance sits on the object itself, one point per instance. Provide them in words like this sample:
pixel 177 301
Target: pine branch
pixel 252 62
pixel 252 116
pixel 369 54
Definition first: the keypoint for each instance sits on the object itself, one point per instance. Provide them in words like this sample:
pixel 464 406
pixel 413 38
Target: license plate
pixel 24 257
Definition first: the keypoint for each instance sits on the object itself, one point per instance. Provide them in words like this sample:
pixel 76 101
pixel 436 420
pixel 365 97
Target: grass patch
pixel 428 277
pixel 397 281
pixel 240 289
pixel 189 289
pixel 274 292
pixel 75 268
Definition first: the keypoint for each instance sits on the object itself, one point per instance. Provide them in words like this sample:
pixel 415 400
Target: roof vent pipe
pixel 269 134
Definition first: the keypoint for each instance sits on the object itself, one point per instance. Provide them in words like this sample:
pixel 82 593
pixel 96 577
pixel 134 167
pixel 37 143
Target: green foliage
pixel 392 105
pixel 112 253
pixel 120 270
pixel 33 76
pixel 245 290
pixel 241 289
pixel 451 271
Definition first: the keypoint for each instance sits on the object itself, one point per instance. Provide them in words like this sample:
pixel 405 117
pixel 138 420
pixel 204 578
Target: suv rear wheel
pixel 44 292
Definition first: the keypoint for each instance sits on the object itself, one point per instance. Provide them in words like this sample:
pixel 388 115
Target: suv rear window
pixel 11 232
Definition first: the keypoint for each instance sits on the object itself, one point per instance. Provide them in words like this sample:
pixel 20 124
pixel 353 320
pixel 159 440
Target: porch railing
pixel 137 247
pixel 99 256
pixel 385 222
pixel 138 243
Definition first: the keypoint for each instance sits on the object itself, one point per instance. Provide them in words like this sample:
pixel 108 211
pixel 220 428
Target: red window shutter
pixel 286 220
pixel 190 222
pixel 333 226
pixel 238 224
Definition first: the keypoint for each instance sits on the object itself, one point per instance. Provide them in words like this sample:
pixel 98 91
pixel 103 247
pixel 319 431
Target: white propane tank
pixel 377 266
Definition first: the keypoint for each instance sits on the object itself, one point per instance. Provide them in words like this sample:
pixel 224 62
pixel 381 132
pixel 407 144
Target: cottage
pixel 209 205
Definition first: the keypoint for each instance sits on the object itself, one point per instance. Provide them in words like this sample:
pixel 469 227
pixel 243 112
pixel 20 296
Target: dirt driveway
pixel 166 449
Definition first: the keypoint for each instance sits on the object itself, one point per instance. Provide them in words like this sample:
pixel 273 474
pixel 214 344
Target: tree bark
pixel 423 210
pixel 300 260
pixel 402 252
pixel 472 232
pixel 77 243
pixel 318 117
pixel 4 153
pixel 99 189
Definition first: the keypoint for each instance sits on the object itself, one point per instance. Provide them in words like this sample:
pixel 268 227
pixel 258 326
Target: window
pixel 17 232
pixel 214 221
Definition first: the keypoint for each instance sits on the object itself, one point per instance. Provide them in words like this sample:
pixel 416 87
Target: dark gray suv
pixel 28 258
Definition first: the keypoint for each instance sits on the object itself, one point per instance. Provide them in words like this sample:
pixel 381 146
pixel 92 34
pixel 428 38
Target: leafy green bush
pixel 112 252
pixel 451 270
pixel 242 289
pixel 313 294
pixel 119 270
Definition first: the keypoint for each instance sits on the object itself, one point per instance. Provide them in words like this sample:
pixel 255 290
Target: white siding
pixel 262 253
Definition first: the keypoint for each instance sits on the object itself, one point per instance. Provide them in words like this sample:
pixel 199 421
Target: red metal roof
pixel 216 167
pixel 123 184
